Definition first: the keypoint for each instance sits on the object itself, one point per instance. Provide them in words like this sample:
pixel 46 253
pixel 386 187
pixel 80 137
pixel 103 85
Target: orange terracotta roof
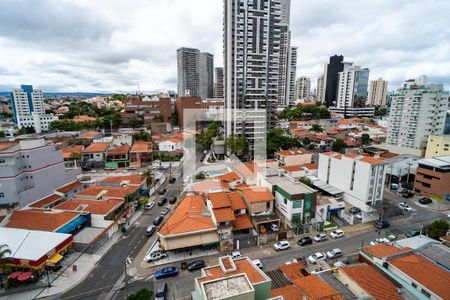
pixel 256 194
pixel 207 186
pixel 39 219
pixel 311 166
pixel 119 149
pixel 96 147
pixel 69 187
pixel 141 147
pixel 88 134
pixel 293 271
pixel 188 217
pixel 329 153
pixel 229 177
pixel 302 134
pixel 298 129
pixel 243 265
pixel 292 168
pixel 291 152
pixel 237 202
pixel 109 191
pixel 289 292
pixel 128 179
pixel 371 160
pixel 226 199
pixel 348 121
pixel 242 222
pixel 382 250
pixel 372 282
pixel 321 137
pixel 83 119
pixel 425 272
pixel 98 207
pixel 44 202
pixel 316 289
pixel 6 145
pixel 224 215
pixel 67 151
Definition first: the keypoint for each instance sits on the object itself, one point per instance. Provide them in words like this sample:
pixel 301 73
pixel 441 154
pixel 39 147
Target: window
pixel 2 195
pixel 297 204
pixel 285 201
pixel 414 285
pixel 428 295
pixel 2 161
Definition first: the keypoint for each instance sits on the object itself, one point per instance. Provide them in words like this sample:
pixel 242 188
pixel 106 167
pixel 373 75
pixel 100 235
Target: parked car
pixel 305 241
pixel 156 255
pixel 381 225
pixel 236 254
pixel 196 265
pixel 281 245
pixel 167 272
pixel 320 237
pixel 354 210
pixel 162 192
pixel 318 256
pixel 412 232
pixel 150 230
pixel 184 265
pixel 425 200
pixel 162 201
pixel 172 180
pixel 404 206
pixel 379 241
pixel 257 263
pixel 165 210
pixel 337 233
pixel 333 253
pixel 149 205
pixel 158 220
pixel 172 200
pixel 407 193
pixel 161 291
pixel 273 227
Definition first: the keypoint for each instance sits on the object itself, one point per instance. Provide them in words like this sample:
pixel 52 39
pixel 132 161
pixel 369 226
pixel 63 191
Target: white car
pixel 156 255
pixel 333 253
pixel 337 234
pixel 281 245
pixel 165 210
pixel 378 241
pixel 404 206
pixel 320 237
pixel 273 227
pixel 149 205
pixel 236 254
pixel 318 256
pixel 257 263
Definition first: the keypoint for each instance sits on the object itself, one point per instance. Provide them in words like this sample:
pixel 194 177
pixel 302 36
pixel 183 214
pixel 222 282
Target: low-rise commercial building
pixel 293 157
pixel 433 176
pixel 147 110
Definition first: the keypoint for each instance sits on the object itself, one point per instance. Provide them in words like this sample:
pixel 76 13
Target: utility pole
pixel 409 171
pixel 126 280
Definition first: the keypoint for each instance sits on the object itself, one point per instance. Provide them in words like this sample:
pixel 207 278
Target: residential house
pixel 189 226
pixel 297 171
pixel 171 143
pixel 141 153
pixel 102 192
pixel 72 155
pixel 293 157
pixel 350 123
pixel 247 171
pixel 321 141
pixel 69 190
pixel 48 202
pixel 232 179
pixel 94 155
pixel 117 157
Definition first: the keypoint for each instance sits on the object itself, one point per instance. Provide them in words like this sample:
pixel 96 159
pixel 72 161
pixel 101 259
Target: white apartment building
pixel 417 111
pixel 252 31
pixel 319 89
pixel 352 83
pixel 361 178
pixel 378 90
pixel 29 110
pixel 303 89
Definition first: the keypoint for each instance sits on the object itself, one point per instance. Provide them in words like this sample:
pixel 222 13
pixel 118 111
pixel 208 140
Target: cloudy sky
pixel 114 45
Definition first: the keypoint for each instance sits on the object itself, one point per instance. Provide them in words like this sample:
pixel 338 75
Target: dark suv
pixel 381 225
pixel 162 192
pixel 196 265
pixel 162 201
pixel 158 220
pixel 172 200
pixel 305 241
pixel 425 200
pixel 161 291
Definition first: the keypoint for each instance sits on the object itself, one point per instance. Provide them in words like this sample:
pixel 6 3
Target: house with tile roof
pixel 69 190
pixel 94 155
pixel 293 157
pixel 189 226
pixel 316 289
pixel 117 156
pixel 297 171
pixel 141 153
pixel 231 178
pixel 230 279
pixel 247 171
pixel 71 154
pixel 102 192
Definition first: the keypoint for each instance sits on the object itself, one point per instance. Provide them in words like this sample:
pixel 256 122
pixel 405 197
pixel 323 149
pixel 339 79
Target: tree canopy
pixel 276 140
pixel 305 112
pixel 338 145
pixel 206 139
pixel 438 229
pixel 237 146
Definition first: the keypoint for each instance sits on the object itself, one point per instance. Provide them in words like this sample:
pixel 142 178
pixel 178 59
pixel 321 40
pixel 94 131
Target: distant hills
pixel 73 94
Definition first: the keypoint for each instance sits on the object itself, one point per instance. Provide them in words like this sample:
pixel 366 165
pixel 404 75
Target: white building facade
pixel 378 90
pixel 352 83
pixel 417 111
pixel 303 89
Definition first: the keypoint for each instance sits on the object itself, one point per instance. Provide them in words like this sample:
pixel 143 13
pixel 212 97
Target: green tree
pixel 133 123
pixel 120 97
pixel 4 253
pixel 338 145
pixel 438 229
pixel 2 134
pixel 212 131
pixel 26 130
pixel 75 155
pixel 276 140
pixel 200 176
pixel 380 111
pixel 148 177
pixel 237 146
pixel 305 180
pixel 316 128
pixel 143 136
pixel 142 294
pixel 365 139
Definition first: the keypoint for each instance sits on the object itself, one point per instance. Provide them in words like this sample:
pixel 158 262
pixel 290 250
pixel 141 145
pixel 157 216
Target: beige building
pixel 293 157
pixel 378 90
pixel 437 145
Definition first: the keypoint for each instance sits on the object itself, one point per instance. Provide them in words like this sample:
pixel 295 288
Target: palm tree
pixel 316 128
pixel 148 177
pixel 4 252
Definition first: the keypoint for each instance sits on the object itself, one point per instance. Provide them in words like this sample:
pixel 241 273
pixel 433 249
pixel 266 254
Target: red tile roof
pixel 256 194
pixel 39 219
pixel 289 292
pixel 292 152
pixel 206 186
pixel 6 145
pixel 44 202
pixel 371 160
pixel 123 149
pixel 83 119
pixel 96 147
pixel 98 207
pixel 229 177
pixel 224 215
pixel 69 187
pixel 383 250
pixel 127 179
pixel 425 272
pixel 293 271
pixel 88 134
pixel 226 199
pixel 372 282
pixel 109 191
pixel 190 216
pixel 141 147
pixel 67 151
pixel 292 168
pixel 242 222
pixel 316 289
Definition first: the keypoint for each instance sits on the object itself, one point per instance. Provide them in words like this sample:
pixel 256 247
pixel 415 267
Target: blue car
pixel 167 272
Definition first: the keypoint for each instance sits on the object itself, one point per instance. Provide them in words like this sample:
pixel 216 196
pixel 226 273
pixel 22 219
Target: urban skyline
pixel 128 60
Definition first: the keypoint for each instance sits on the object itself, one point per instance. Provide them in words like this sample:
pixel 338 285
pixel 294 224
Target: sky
pixel 116 45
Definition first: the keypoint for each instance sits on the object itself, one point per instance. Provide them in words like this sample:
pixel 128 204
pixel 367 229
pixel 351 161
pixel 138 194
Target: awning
pixel 327 187
pixel 25 276
pixel 14 275
pixel 72 225
pixel 54 259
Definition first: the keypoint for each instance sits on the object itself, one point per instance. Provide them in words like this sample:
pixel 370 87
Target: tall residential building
pixel 206 75
pixel 31 169
pixel 188 72
pixel 378 90
pixel 252 32
pixel 29 109
pixel 319 89
pixel 148 109
pixel 330 83
pixel 218 83
pixel 292 71
pixel 303 88
pixel 417 111
pixel 352 86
